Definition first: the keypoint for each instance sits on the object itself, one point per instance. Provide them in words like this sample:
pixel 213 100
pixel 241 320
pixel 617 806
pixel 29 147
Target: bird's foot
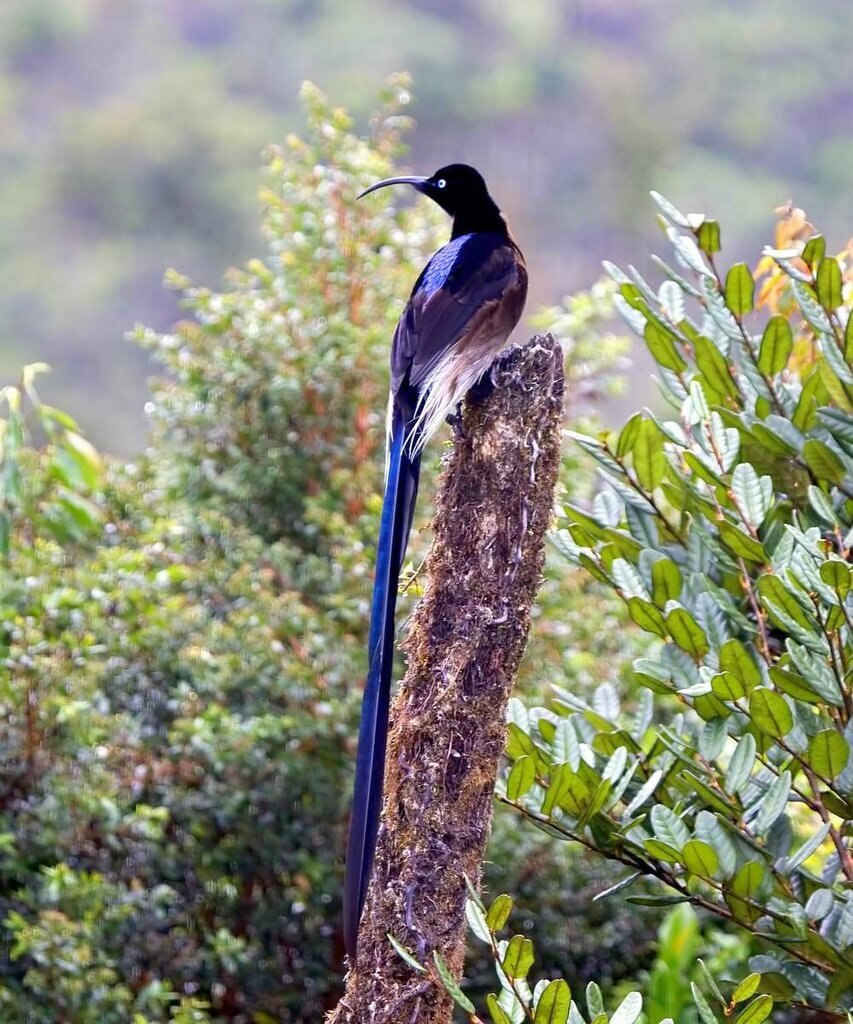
pixel 490 380
pixel 454 419
pixel 483 388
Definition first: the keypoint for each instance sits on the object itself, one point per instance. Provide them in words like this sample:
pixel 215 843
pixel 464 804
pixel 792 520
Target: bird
pixel 463 307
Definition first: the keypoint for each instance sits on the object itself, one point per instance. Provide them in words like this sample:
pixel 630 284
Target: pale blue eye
pixel 441 183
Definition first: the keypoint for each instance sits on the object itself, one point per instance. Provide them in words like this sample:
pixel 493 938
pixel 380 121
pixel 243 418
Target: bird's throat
pixel 484 217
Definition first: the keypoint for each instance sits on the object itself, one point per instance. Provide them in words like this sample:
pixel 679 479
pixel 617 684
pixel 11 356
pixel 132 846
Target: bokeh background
pixel 132 133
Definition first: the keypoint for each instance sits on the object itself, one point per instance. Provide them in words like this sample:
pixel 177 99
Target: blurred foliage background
pixel 132 133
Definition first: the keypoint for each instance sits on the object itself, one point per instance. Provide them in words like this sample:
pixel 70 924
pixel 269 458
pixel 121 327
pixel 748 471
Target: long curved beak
pixel 413 180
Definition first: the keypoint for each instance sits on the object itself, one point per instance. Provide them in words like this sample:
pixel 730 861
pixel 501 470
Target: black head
pixel 460 191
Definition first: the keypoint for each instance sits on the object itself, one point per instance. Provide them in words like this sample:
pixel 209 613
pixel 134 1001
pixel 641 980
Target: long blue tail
pixel 401 489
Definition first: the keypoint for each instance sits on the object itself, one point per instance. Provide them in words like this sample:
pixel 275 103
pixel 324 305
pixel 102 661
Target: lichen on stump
pixel 448 720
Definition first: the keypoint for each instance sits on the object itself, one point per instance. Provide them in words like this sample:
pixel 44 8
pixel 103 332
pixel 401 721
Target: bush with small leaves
pixel 181 664
pixel 724 525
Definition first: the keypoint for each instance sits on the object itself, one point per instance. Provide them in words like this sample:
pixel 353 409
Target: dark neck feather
pixel 482 217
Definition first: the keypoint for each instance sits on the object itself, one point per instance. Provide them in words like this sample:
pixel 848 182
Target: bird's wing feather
pixel 445 300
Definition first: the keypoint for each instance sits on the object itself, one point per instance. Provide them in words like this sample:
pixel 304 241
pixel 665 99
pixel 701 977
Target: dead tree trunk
pixel 448 727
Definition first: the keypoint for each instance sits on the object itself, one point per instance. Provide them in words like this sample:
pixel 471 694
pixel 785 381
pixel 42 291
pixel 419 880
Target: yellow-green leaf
pixel 687 633
pixel 521 777
pixel 740 289
pixel 662 345
pixel 700 859
pixel 518 958
pixel 757 1011
pixel 746 988
pixel 828 283
pixel 777 344
pixel 828 753
pixel 554 1003
pixel 770 712
pixel 649 460
pixel 823 461
pixel 499 912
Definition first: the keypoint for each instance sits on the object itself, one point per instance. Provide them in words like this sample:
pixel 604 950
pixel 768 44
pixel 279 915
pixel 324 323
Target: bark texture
pixel 448 720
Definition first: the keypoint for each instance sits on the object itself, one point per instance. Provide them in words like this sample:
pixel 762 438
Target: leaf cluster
pixel 724 525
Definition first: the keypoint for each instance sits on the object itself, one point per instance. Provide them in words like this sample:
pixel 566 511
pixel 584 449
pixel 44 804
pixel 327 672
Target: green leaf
pixel 628 435
pixel 594 1000
pixel 689 253
pixel 554 1003
pixel 648 456
pixel 662 851
pixel 405 955
pixel 740 289
pixel 757 1011
pixel 712 738
pixel 710 830
pixel 666 581
pixel 806 411
pixel 518 958
pixel 828 283
pixel 498 913
pixel 496 1011
pixel 710 797
pixel 794 685
pixel 647 616
pixel 708 237
pixel 699 858
pixel 814 250
pixel 712 985
pixel 706 1014
pixel 657 901
pixel 752 494
pixel 661 344
pixel 712 364
pixel 775 596
pixel 521 777
pixel 687 633
pixel 629 1010
pixel 673 215
pixel 774 803
pixel 668 827
pixel 748 881
pixel 624 883
pixel 671 300
pixel 844 930
pixel 475 915
pixel 450 984
pixel 740 543
pixel 518 742
pixel 828 753
pixel 644 792
pixel 822 505
pixel 813 311
pixel 770 712
pixel 819 904
pixel 777 343
pixel 837 574
pixel 809 847
pixel 735 658
pixel 727 686
pixel 823 461
pixel 746 988
pixel 741 764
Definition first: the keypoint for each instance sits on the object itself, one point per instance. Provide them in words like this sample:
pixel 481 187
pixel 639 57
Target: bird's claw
pixel 483 388
pixel 454 419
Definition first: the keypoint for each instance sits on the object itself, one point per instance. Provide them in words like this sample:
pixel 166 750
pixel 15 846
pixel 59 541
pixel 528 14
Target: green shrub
pixel 724 525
